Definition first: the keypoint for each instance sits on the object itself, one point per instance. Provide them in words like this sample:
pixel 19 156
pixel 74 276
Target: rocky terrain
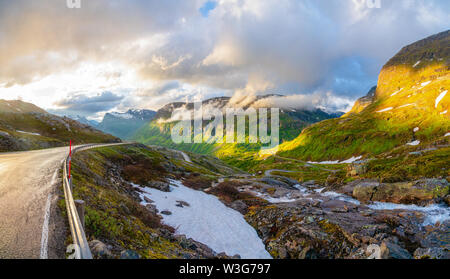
pixel 371 184
pixel 310 221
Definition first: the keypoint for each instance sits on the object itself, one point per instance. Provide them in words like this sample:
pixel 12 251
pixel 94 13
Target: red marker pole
pixel 70 157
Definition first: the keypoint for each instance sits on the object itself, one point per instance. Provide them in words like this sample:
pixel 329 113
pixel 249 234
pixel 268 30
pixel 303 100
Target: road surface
pixel 28 183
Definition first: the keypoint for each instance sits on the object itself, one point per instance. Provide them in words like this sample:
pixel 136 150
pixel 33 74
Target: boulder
pixel 158 185
pixel 431 253
pixel 416 192
pixel 390 250
pixel 447 200
pixel 129 255
pixel 182 204
pixel 166 212
pixel 100 250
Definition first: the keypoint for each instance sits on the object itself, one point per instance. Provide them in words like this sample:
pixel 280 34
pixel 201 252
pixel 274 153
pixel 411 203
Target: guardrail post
pixel 79 204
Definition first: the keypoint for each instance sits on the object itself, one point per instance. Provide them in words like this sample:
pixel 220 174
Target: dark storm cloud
pixel 90 104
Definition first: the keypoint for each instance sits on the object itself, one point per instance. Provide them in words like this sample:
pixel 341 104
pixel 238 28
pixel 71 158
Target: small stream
pixel 433 213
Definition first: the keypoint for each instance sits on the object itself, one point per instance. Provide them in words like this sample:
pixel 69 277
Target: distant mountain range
pixel 292 122
pixel 125 125
pixel 408 108
pixel 24 126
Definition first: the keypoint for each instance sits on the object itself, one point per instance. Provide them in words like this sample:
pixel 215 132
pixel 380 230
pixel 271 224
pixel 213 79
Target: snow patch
pixel 28 133
pixel 325 162
pixel 396 92
pixel 351 160
pixel 208 221
pixel 414 143
pixel 386 109
pixel 407 105
pixel 423 84
pixel 439 98
pixel 348 161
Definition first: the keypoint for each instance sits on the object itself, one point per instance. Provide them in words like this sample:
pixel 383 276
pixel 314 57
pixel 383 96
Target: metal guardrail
pixel 82 250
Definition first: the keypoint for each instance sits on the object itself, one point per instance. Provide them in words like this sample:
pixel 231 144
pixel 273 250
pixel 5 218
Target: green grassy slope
pixel 406 98
pixel 24 126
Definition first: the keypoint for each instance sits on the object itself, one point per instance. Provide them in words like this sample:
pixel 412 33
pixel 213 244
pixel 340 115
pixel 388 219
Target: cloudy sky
pixel 111 55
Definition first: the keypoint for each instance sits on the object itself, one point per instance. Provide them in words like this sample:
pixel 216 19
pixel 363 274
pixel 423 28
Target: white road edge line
pixel 44 237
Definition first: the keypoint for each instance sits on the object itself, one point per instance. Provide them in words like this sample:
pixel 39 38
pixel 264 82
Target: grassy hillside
pixel 410 106
pixel 24 126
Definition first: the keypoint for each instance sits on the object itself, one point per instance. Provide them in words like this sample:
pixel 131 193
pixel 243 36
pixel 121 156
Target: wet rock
pixel 148 200
pixel 166 212
pixel 162 186
pixel 338 206
pixel 309 183
pixel 390 250
pixel 431 253
pixel 100 250
pixel 129 255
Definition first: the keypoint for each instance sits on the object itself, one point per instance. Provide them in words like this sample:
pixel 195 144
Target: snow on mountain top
pixel 122 115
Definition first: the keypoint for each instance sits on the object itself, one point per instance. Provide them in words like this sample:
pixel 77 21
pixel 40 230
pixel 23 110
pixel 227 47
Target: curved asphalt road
pixel 28 182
